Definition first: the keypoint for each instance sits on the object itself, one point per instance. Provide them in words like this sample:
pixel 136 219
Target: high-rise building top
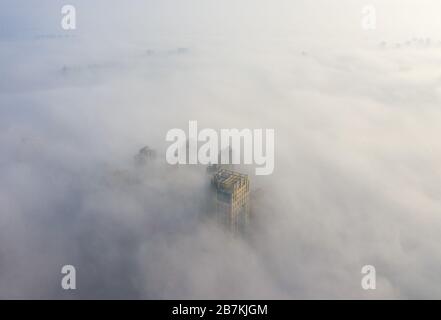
pixel 232 198
pixel 145 155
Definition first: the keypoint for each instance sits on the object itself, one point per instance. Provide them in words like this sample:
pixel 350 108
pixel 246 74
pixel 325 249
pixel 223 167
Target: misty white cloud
pixel 357 168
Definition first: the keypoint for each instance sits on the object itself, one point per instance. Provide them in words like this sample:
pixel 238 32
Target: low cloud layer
pixel 357 166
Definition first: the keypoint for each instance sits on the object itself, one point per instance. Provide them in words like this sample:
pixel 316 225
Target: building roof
pixel 227 180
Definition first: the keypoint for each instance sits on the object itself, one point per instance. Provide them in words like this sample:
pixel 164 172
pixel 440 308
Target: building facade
pixel 232 199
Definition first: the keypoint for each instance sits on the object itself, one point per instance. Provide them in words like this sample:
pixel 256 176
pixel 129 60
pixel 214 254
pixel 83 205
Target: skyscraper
pixel 232 199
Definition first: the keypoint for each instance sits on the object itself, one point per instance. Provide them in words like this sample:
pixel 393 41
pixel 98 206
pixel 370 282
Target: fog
pixel 357 154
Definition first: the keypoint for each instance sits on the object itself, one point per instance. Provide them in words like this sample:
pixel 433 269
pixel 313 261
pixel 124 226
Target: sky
pixel 357 155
